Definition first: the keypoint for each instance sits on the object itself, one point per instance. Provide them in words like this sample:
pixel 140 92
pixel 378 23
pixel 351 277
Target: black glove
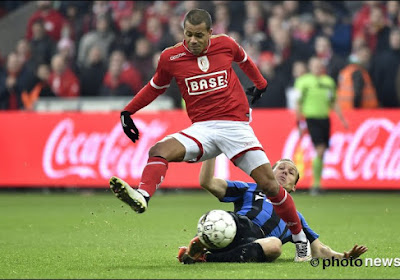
pixel 129 127
pixel 255 93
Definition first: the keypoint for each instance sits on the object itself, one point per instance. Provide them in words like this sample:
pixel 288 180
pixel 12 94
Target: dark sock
pixel 251 252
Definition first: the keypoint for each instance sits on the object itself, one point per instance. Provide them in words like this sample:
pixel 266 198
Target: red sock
pixel 153 174
pixel 284 206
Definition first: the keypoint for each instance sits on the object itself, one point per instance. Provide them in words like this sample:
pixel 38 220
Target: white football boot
pixel 303 252
pixel 127 194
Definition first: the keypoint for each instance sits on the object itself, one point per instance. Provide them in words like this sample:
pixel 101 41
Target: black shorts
pixel 246 232
pixel 319 130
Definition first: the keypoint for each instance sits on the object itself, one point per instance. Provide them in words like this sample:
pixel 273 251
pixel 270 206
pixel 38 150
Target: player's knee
pixel 160 149
pixel 272 248
pixel 273 252
pixel 170 149
pixel 156 150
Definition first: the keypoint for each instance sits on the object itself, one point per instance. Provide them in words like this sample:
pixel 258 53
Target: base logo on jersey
pixel 203 63
pixel 208 82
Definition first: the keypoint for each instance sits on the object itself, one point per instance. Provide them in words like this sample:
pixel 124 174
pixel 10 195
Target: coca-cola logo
pixel 371 151
pixel 93 154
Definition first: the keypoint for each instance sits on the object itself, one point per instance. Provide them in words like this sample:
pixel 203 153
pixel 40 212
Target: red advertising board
pixel 86 149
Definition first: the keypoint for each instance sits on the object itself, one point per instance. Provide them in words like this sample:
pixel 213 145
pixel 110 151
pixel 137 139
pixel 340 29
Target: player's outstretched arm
pixel 214 185
pixel 320 250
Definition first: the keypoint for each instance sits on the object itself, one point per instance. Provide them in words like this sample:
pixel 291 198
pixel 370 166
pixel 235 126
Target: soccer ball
pixel 216 229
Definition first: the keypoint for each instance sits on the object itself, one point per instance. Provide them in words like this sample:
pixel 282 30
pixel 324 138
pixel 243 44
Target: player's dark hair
pixel 291 161
pixel 198 16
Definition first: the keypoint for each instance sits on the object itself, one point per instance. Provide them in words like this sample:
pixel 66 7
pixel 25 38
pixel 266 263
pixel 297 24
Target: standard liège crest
pixel 203 63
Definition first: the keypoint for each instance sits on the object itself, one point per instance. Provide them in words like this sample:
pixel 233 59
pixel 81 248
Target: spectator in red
pixel 361 18
pixel 154 30
pixel 129 74
pixel 12 82
pixel 121 9
pixel 376 32
pixel 305 31
pixel 53 20
pixel 114 83
pixel 63 82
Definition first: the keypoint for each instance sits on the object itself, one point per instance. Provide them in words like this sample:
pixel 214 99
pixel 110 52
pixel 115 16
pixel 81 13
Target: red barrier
pixel 86 149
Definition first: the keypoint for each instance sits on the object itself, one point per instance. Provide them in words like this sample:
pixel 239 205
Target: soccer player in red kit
pixel 218 108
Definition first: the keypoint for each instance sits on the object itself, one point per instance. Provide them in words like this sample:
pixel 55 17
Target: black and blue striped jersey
pixel 251 202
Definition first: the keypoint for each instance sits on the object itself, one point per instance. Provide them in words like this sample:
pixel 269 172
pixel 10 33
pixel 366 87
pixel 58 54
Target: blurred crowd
pixel 8 6
pixel 111 48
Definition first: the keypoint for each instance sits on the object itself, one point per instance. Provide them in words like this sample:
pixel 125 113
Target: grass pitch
pixel 76 235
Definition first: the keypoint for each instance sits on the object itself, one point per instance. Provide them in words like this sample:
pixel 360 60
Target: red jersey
pixel 53 23
pixel 65 85
pixel 207 82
